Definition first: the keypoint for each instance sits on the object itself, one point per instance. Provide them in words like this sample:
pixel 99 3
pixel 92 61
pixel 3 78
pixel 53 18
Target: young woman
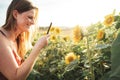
pixel 14 41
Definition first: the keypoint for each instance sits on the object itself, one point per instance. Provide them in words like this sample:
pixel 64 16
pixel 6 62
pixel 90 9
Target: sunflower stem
pixel 89 55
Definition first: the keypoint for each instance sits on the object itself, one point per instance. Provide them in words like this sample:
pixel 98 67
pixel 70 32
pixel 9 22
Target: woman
pixel 14 40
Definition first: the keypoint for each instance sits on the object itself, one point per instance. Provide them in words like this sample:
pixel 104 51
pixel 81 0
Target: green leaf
pixel 102 46
pixel 115 58
pixel 72 65
pixel 117 26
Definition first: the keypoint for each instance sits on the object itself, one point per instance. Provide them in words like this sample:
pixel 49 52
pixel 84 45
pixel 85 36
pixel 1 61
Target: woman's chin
pixel 27 29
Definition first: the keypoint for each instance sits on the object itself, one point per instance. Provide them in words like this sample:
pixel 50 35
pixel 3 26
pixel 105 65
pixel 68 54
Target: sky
pixel 69 13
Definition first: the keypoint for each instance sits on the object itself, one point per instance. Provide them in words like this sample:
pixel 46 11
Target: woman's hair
pixel 23 39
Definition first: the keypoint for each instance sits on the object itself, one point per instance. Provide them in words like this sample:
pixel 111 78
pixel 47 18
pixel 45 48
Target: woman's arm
pixel 10 68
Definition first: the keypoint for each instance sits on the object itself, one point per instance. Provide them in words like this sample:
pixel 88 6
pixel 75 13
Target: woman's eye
pixel 30 17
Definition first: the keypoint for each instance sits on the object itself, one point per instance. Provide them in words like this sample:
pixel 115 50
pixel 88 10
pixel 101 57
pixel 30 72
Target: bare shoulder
pixel 4 46
pixel 8 64
pixel 3 40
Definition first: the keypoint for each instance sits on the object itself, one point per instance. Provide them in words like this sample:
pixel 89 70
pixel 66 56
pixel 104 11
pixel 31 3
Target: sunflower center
pixel 109 20
pixel 70 59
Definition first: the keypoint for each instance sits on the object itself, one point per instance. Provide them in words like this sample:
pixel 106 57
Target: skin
pixel 8 64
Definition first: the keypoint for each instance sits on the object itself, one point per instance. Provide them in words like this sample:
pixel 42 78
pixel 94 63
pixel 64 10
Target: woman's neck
pixel 12 34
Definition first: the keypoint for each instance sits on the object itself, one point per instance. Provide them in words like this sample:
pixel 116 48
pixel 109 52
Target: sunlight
pixel 68 13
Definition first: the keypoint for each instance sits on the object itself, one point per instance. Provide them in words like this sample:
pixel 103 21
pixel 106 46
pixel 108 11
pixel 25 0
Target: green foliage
pixel 95 56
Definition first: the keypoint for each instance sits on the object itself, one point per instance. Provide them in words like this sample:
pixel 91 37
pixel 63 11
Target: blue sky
pixel 69 12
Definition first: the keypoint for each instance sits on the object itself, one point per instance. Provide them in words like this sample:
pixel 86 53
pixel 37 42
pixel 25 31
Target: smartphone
pixel 49 28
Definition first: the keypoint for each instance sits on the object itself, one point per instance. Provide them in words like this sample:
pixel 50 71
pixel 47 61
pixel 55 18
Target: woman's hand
pixel 42 42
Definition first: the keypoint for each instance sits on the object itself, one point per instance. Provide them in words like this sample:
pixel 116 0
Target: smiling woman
pixel 14 41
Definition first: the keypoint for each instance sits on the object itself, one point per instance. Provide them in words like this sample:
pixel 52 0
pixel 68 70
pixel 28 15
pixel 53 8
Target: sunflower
pixel 100 35
pixel 77 34
pixel 57 30
pixel 66 38
pixel 109 19
pixel 53 37
pixel 52 29
pixel 70 57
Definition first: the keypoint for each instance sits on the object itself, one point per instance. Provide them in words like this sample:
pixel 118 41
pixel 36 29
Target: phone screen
pixel 49 28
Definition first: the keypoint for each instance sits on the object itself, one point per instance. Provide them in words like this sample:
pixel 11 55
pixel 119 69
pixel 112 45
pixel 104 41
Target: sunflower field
pixel 77 53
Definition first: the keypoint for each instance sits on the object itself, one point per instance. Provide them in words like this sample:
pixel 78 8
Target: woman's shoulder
pixel 4 47
pixel 3 40
pixel 2 37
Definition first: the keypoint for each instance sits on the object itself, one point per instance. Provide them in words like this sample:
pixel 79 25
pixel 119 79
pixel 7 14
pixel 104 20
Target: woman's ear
pixel 15 13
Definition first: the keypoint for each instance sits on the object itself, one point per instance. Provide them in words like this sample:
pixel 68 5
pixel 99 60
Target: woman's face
pixel 25 20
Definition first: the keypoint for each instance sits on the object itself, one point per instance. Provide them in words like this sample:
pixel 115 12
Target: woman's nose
pixel 32 21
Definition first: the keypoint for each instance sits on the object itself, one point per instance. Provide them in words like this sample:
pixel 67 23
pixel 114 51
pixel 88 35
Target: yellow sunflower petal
pixel 109 19
pixel 70 57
